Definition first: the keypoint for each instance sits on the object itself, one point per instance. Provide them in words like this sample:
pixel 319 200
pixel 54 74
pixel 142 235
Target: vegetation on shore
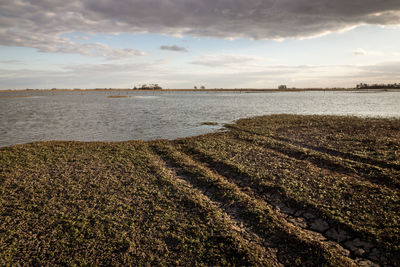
pixel 273 190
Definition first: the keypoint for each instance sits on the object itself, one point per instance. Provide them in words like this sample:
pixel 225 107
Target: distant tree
pixel 151 86
pixel 377 86
pixel 202 87
pixel 195 87
pixel 282 87
pixel 156 87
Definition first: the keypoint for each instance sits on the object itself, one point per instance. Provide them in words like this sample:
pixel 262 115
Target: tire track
pixel 229 216
pixel 285 235
pixel 364 171
pixel 301 215
pixel 340 154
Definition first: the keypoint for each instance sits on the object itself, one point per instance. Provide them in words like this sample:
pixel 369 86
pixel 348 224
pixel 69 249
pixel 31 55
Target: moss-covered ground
pixel 280 190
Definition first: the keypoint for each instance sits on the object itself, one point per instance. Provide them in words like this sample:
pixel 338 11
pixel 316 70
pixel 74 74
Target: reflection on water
pixel 94 116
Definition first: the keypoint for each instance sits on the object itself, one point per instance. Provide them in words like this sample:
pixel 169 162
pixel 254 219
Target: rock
pixel 375 254
pixel 338 236
pixel 319 225
pixel 299 213
pixel 352 246
pixel 309 216
pixel 287 210
pixel 281 205
pixel 373 257
pixel 358 251
pixel 358 244
pixel 367 263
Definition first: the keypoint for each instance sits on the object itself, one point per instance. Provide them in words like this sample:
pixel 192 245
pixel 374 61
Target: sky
pixel 186 43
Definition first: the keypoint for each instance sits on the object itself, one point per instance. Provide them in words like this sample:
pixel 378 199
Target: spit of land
pixel 280 190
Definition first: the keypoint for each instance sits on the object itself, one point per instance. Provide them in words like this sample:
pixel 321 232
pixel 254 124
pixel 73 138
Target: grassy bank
pixel 274 190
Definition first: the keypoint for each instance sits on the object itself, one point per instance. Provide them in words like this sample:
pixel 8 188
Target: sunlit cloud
pixel 362 52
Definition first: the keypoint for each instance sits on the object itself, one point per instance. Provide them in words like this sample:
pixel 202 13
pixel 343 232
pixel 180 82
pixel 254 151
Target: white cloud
pixel 230 61
pixel 362 52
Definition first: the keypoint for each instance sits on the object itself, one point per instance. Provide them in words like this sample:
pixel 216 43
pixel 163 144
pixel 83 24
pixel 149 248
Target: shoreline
pixel 185 90
pixel 293 189
pixel 244 90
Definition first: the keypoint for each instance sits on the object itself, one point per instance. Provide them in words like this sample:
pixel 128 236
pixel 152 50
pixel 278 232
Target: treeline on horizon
pixel 153 86
pixel 377 86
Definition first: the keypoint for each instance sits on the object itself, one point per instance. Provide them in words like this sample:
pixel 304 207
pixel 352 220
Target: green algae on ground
pixel 273 190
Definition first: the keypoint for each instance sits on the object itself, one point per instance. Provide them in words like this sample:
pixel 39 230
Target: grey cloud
pixel 250 18
pixel 33 22
pixel 85 38
pixel 174 48
pixel 49 43
pixel 226 61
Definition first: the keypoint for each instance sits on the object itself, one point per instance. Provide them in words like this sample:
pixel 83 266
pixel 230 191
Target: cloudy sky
pixel 183 43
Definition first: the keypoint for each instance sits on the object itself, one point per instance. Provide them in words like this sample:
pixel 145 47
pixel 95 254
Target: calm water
pixel 92 116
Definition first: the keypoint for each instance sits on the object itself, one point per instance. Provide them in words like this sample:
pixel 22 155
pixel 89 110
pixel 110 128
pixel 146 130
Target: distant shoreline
pixel 203 90
pixel 186 90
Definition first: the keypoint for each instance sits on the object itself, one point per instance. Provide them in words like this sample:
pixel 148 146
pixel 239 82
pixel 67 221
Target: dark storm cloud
pixel 173 48
pixel 40 23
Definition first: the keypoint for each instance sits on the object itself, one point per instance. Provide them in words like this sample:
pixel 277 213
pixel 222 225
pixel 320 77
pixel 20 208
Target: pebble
pixel 338 236
pixel 358 244
pixel 374 254
pixel 299 213
pixel 358 251
pixel 367 263
pixel 287 210
pixel 319 225
pixel 309 216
